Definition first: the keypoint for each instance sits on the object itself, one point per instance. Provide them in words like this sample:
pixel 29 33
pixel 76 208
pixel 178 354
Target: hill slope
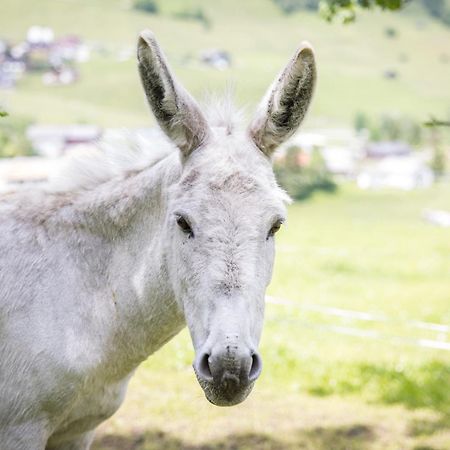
pixel 352 59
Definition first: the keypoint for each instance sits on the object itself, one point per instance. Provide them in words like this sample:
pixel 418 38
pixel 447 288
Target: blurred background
pixel 356 344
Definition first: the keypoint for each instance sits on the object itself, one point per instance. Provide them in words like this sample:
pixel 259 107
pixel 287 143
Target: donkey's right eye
pixel 184 225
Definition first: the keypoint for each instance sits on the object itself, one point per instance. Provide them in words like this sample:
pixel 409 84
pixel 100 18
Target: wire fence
pixel 439 342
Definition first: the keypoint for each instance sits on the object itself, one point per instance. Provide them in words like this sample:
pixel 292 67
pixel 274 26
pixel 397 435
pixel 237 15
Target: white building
pixel 53 140
pixel 398 172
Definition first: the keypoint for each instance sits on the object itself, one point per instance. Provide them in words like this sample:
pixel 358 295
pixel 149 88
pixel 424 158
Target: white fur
pixel 96 275
pixel 117 154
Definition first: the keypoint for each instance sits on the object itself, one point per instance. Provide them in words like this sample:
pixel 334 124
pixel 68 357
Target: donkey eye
pixel 275 227
pixel 184 225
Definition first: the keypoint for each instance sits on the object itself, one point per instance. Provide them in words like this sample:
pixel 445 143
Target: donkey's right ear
pixel 176 111
pixel 286 102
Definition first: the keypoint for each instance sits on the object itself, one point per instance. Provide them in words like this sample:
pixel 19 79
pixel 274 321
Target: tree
pixel 302 180
pixel 346 9
pixel 438 161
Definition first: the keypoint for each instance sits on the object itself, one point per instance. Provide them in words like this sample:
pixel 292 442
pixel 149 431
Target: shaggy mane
pixel 221 112
pixel 117 154
pixel 120 152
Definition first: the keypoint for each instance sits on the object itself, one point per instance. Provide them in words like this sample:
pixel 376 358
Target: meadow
pixel 259 37
pixel 329 381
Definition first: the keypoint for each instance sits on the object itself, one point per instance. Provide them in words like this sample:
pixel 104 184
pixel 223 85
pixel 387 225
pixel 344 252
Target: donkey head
pixel 222 216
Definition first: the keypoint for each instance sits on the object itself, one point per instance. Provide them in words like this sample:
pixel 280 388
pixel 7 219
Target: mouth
pixel 228 391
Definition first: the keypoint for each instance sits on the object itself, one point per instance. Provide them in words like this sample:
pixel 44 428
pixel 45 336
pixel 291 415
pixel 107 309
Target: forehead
pixel 230 172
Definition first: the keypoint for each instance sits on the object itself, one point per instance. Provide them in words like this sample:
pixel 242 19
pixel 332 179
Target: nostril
pixel 203 368
pixel 255 369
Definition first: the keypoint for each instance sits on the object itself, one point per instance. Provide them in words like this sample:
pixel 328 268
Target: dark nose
pixel 229 366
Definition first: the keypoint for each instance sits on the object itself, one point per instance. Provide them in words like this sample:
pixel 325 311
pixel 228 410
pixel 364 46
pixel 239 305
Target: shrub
pixel 12 138
pixel 301 181
pixel 438 161
pixel 361 121
pixel 148 6
pixel 390 32
pixel 390 127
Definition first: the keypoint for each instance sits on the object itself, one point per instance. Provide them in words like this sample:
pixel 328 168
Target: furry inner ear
pixel 176 111
pixel 286 102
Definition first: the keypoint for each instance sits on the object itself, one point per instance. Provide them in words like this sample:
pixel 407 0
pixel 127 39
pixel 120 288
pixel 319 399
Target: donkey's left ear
pixel 286 102
pixel 175 110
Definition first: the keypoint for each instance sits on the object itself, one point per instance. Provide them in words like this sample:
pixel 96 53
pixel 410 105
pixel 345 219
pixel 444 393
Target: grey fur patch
pixel 237 182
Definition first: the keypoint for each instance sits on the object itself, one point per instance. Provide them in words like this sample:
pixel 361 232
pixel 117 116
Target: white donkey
pixel 96 278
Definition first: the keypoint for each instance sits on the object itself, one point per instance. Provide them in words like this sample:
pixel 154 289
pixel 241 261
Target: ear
pixel 175 110
pixel 286 102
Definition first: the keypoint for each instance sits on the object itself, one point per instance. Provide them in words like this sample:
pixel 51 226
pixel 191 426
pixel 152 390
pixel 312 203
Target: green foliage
pixel 345 10
pixel 389 127
pixel 390 32
pixel 433 123
pixel 438 161
pixel 361 121
pixel 301 181
pixel 12 138
pixel 148 6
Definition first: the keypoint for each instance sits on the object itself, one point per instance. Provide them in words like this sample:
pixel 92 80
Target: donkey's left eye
pixel 275 227
pixel 184 225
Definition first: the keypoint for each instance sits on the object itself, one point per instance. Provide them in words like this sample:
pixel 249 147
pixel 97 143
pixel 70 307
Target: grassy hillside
pixel 351 59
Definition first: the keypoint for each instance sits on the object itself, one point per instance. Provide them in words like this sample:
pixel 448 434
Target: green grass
pixel 351 59
pixel 372 252
pixel 366 251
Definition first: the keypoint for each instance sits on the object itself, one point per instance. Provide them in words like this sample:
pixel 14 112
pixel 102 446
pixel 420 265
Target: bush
pixel 148 6
pixel 12 138
pixel 301 181
pixel 438 162
pixel 390 32
pixel 390 128
pixel 361 121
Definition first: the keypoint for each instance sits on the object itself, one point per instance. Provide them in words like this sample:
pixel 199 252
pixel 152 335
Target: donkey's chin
pixel 221 394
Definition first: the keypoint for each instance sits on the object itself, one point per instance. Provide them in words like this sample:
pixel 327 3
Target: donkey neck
pixel 128 218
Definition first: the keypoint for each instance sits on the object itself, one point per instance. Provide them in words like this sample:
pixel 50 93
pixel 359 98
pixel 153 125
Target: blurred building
pixel 54 140
pixel 400 172
pixel 219 59
pixel 341 148
pixel 42 52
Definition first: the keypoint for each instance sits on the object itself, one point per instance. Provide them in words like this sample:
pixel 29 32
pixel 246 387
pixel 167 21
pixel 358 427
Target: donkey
pixel 97 276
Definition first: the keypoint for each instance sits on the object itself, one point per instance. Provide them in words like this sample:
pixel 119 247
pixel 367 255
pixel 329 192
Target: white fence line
pixel 365 316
